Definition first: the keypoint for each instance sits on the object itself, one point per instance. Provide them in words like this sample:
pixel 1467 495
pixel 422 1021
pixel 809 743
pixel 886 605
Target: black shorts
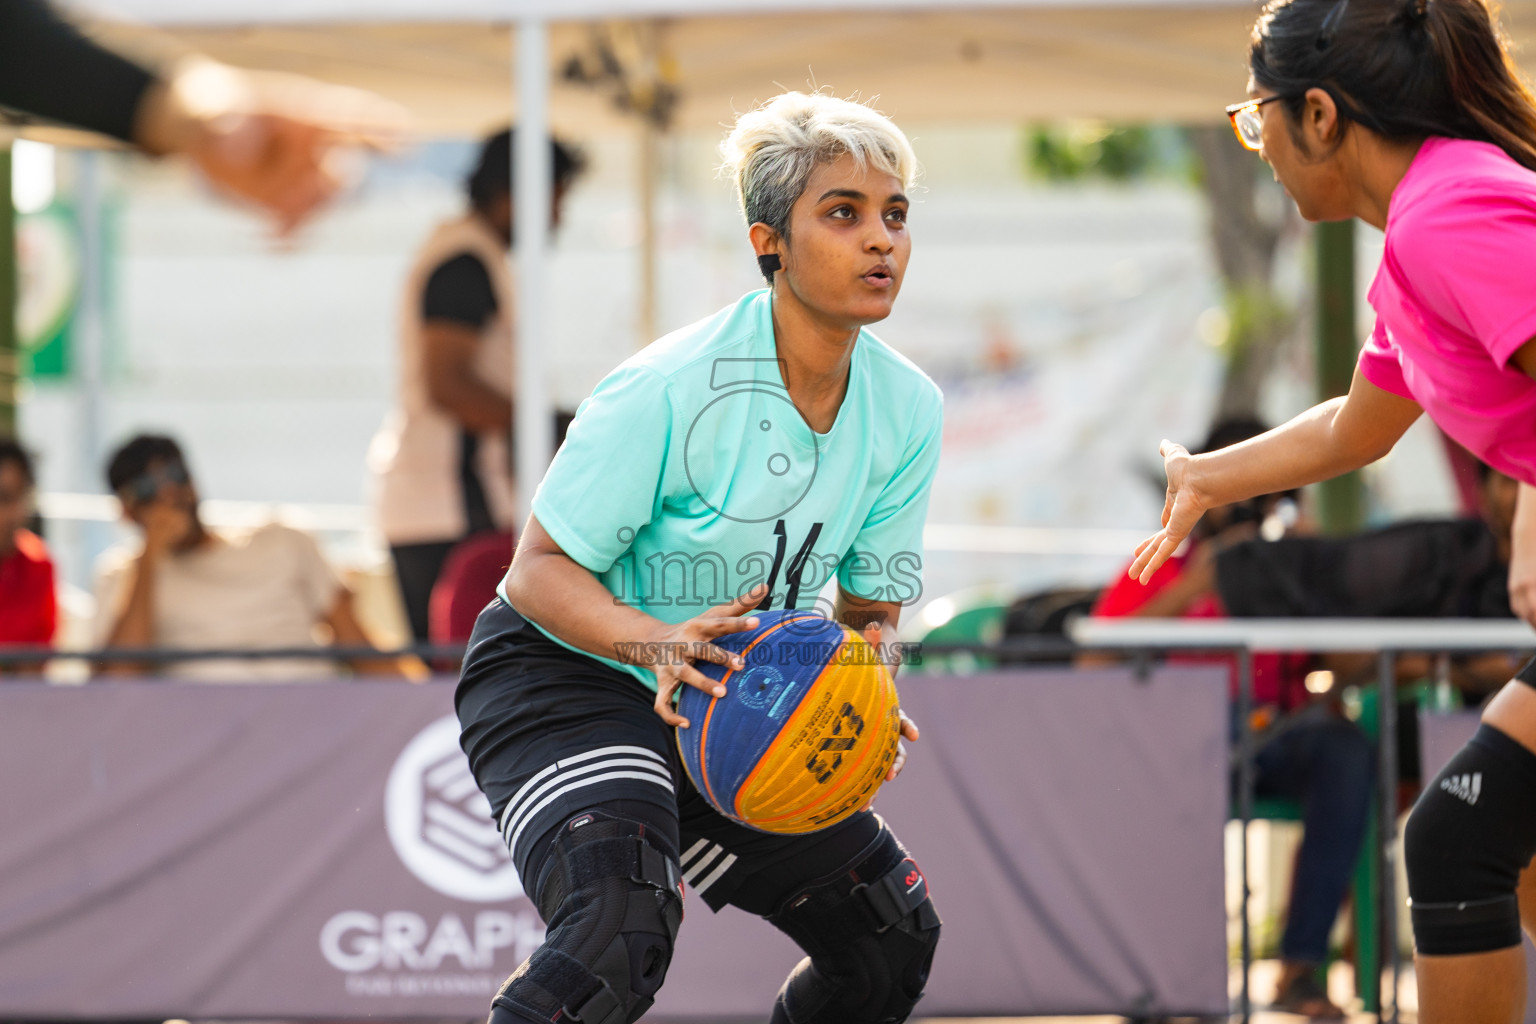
pixel 1527 675
pixel 551 733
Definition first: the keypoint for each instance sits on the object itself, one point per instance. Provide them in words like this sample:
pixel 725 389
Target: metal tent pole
pixel 10 351
pixel 534 434
pixel 1245 809
pixel 650 156
pixel 90 346
pixel 1386 853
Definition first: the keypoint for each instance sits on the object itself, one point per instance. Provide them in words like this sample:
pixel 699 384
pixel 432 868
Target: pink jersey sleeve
pixel 1379 363
pixel 1471 257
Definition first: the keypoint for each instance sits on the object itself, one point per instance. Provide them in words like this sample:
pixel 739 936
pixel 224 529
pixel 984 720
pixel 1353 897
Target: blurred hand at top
pixel 276 141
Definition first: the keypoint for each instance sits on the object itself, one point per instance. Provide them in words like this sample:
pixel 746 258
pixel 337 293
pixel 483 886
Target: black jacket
pixel 49 70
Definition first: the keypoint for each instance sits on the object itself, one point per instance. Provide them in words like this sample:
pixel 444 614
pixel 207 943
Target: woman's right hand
pixel 1181 511
pixel 675 647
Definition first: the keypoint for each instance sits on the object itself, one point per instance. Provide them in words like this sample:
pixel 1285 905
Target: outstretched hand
pixel 276 141
pixel 1182 509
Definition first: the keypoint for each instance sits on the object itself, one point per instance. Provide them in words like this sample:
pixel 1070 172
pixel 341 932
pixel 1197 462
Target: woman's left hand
pixel 1522 561
pixel 908 732
pixel 874 633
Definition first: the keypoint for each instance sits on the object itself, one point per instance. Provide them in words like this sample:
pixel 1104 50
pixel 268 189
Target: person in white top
pixel 442 460
pixel 188 587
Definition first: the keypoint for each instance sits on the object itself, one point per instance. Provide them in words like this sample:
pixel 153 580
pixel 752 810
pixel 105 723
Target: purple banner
pixel 227 851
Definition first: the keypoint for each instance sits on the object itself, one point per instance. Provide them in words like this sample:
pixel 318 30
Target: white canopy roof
pixel 926 60
pixel 1140 61
pixel 236 12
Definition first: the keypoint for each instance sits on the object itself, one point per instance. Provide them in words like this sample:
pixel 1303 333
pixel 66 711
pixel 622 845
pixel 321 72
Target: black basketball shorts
pixel 551 733
pixel 1527 675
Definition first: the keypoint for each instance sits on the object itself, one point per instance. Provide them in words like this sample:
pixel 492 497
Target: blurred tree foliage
pixel 1080 150
pixel 1249 218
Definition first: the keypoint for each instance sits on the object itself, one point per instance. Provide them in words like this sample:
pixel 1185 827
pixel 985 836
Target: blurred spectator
pixel 28 605
pixel 190 588
pixel 443 458
pixel 258 137
pixel 1302 748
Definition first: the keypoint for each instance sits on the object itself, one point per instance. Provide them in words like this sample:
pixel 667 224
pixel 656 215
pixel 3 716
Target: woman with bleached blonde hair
pixel 738 464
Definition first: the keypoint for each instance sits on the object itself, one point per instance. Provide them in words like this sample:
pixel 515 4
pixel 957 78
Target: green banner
pixel 49 270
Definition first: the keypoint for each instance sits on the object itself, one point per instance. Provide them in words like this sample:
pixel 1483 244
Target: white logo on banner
pixel 440 823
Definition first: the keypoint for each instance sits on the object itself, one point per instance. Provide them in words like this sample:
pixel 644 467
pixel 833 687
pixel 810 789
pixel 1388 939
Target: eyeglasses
pixel 1247 125
pixel 147 484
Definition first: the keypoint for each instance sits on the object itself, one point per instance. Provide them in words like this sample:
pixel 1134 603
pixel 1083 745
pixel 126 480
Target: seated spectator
pixel 184 586
pixel 1303 748
pixel 28 605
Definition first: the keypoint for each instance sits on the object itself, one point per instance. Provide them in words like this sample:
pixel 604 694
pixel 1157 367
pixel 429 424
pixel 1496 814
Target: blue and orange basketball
pixel 806 730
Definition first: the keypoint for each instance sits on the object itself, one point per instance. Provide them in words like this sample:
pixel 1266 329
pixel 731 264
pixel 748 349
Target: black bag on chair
pixel 1432 569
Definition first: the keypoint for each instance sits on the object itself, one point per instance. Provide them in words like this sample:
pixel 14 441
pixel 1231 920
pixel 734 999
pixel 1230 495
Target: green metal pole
pixel 1341 502
pixel 10 355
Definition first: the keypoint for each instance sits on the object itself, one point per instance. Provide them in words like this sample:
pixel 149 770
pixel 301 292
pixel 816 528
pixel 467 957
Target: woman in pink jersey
pixel 1410 115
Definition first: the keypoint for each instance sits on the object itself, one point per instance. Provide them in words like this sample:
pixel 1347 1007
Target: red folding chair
pixel 466 585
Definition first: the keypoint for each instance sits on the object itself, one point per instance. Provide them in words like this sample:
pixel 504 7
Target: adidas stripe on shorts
pixel 551 733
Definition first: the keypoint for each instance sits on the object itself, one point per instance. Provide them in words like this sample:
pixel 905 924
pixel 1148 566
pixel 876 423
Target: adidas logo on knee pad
pixel 1464 787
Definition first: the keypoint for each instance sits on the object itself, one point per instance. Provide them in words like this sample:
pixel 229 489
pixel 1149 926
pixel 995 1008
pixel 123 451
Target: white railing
pixel 1386 637
pixel 1031 540
pixel 1313 635
pixel 104 508
pixel 1002 540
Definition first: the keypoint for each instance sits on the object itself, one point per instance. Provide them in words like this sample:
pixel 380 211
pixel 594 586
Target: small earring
pixel 769 264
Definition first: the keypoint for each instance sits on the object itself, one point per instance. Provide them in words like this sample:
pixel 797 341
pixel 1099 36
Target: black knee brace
pixel 870 933
pixel 1467 840
pixel 611 898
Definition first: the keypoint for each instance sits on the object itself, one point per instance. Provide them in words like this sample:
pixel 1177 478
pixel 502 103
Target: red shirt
pixel 29 611
pixel 1277 678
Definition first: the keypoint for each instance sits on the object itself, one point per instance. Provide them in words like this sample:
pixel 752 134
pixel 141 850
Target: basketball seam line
pixel 746 783
pixel 709 789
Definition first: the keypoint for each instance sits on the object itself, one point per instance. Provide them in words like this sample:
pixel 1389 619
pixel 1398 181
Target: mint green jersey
pixel 689 477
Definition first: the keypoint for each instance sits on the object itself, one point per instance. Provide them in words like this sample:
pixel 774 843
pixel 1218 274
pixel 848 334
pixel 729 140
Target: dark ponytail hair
pixel 1406 69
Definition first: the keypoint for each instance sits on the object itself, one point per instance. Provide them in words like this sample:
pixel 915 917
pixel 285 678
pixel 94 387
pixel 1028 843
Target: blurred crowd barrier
pixel 80 526
pixel 321 852
pixel 1092 803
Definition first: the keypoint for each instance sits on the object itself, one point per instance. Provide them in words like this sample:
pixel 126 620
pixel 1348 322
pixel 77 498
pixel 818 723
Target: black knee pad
pixel 870 932
pixel 1467 840
pixel 611 898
